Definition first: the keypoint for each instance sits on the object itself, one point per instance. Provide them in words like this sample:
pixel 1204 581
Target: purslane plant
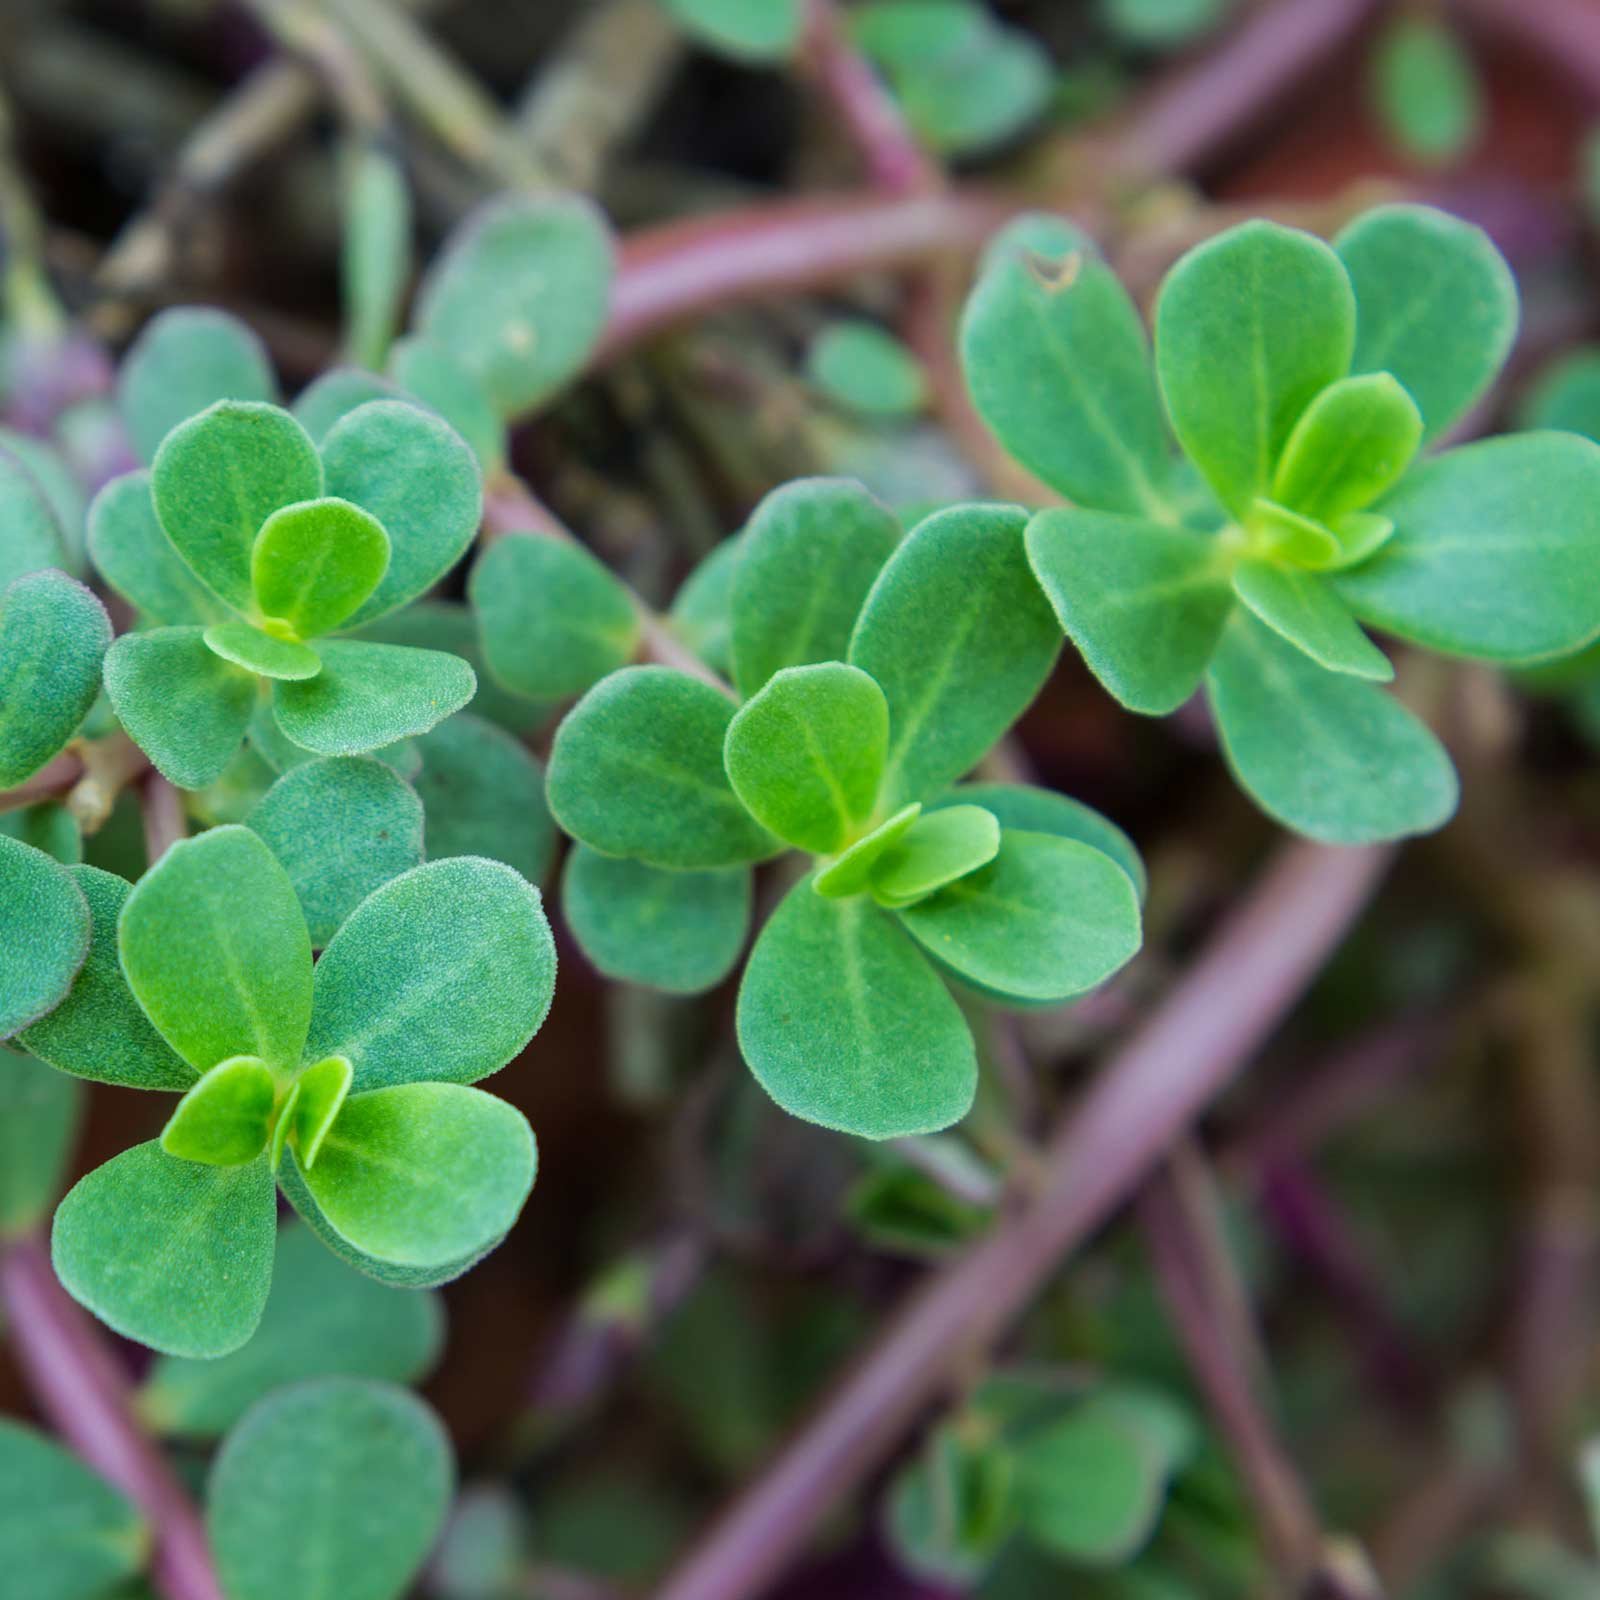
pixel 874 673
pixel 1304 383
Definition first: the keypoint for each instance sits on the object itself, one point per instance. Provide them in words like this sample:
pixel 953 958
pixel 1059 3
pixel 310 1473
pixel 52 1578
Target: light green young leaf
pixel 414 473
pixel 552 618
pixel 806 754
pixel 225 1119
pixel 53 637
pixel 636 770
pixel 319 1096
pixel 341 827
pixel 1426 90
pixel 1144 603
pixel 314 563
pixel 852 871
pixel 1285 535
pixel 676 931
pixel 1058 363
pixel 330 398
pixel 1494 551
pixel 265 654
pixel 215 950
pixel 960 640
pixel 807 559
pixel 864 368
pixel 936 849
pixel 333 1489
pixel 376 261
pixel 434 376
pixel 1303 608
pixel 748 30
pixel 219 476
pixel 99 1031
pixel 30 537
pixel 144 1222
pixel 1352 443
pixel 883 1050
pixel 321 1320
pixel 1328 755
pixel 184 360
pixel 40 1111
pixel 1437 306
pixel 1250 327
pixel 519 295
pixel 369 695
pixel 44 930
pixel 65 1534
pixel 422 1174
pixel 132 553
pixel 445 973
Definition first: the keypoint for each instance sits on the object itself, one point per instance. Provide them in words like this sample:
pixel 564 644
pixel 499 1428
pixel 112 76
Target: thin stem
pixel 83 1391
pixel 50 782
pixel 1248 977
pixel 164 820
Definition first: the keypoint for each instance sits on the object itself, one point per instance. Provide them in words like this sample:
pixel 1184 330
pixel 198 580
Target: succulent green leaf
pixel 520 295
pixel 806 754
pixel 61 487
pixel 314 563
pixel 226 1118
pixel 1286 535
pixel 1304 609
pixel 30 536
pixel 376 259
pixel 1328 755
pixel 1437 306
pixel 636 770
pixel 184 360
pixel 845 1024
pixel 1058 363
pixel 422 1174
pixel 748 30
pixel 852 871
pixel 181 703
pixel 341 827
pixel 445 973
pixel 53 638
pixel 1360 534
pixel 1144 603
pixel 47 826
pixel 864 368
pixel 219 476
pixel 144 1222
pixel 1163 24
pixel 332 1489
pixel 250 647
pixel 1352 443
pixel 952 1510
pixel 1250 327
pixel 40 1111
pixel 899 1209
pixel 702 610
pixel 65 1534
pixel 1566 395
pixel 433 375
pixel 935 850
pixel 215 950
pixel 967 100
pixel 369 695
pixel 959 638
pixel 677 931
pixel 1426 90
pixel 133 554
pixel 807 559
pixel 329 399
pixel 320 1093
pixel 552 618
pixel 413 472
pixel 1494 551
pixel 44 930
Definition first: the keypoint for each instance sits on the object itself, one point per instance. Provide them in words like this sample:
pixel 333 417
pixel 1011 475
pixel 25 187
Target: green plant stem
pixel 1245 981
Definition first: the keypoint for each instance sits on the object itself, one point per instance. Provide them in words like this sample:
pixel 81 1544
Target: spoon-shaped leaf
pixel 370 695
pixel 314 563
pixel 44 930
pixel 224 1120
pixel 935 850
pixel 1352 443
pixel 1304 609
pixel 30 535
pixel 40 1112
pixel 132 553
pixel 250 647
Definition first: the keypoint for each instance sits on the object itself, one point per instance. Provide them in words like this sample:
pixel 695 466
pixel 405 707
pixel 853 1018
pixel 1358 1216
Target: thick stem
pixel 164 820
pixel 1250 974
pixel 50 782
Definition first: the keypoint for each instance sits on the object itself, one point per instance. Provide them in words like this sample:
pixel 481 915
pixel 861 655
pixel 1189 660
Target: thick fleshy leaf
pixel 370 695
pixel 553 619
pixel 171 1253
pixel 53 638
pixel 225 1119
pixel 61 487
pixel 132 553
pixel 636 770
pixel 1437 306
pixel 263 653
pixel 953 1508
pixel 1048 918
pixel 215 950
pixel 65 1534
pixel 1566 395
pixel 415 474
pixel 39 1115
pixel 844 1023
pixel 935 850
pixel 748 30
pixel 182 704
pixel 807 559
pixel 219 476
pixel 329 399
pixel 1250 327
pixel 314 563
pixel 99 1031
pixel 806 754
pixel 423 1173
pixel 430 373
pixel 184 360
pixel 1143 602
pixel 375 264
pixel 1328 755
pixel 677 931
pixel 30 536
pixel 319 1096
pixel 445 973
pixel 959 638
pixel 520 295
pixel 1352 443
pixel 864 368
pixel 702 609
pixel 1426 89
pixel 47 826
pixel 1305 609
pixel 44 930
pixel 1494 551
pixel 321 1320
pixel 1059 367
pixel 333 1489
pixel 851 871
